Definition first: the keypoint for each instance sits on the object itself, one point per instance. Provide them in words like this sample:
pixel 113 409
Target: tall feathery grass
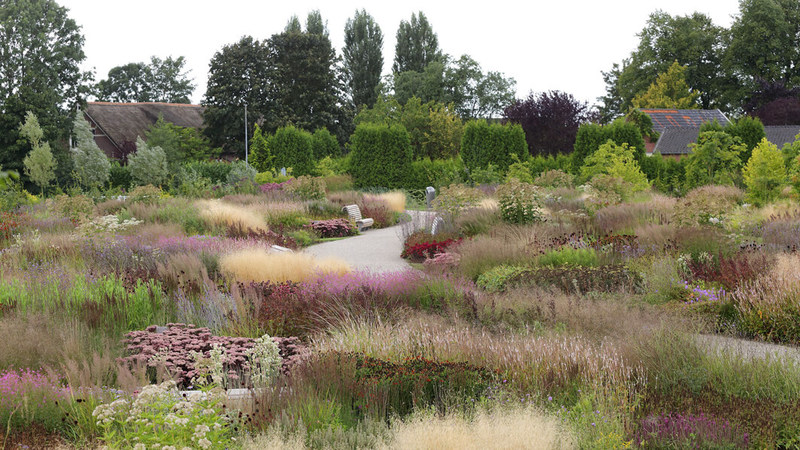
pixel 261 265
pixel 395 201
pixel 219 213
pixel 503 428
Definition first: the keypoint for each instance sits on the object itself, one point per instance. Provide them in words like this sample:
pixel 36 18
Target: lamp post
pixel 245 134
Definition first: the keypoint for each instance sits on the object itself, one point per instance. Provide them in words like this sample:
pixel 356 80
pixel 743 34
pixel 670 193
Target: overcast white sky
pixel 544 45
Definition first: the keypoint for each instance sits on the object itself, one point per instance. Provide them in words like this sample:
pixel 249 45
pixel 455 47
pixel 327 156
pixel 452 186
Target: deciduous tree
pixel 668 91
pixel 41 49
pixel 550 120
pixel 160 81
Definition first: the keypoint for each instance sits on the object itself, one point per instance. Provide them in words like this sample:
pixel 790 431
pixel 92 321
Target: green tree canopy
pixel 41 49
pixel 160 81
pixel 691 40
pixel 668 91
pixel 363 58
pixel 417 45
pixel 764 42
pixel 239 74
pixel 473 93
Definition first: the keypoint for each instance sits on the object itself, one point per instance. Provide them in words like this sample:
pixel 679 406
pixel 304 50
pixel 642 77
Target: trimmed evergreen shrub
pixel 324 144
pixel 591 136
pixel 381 155
pixel 484 144
pixel 291 147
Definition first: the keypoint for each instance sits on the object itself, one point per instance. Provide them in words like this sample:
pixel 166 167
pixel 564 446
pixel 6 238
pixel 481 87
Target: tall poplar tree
pixel 417 45
pixel 363 58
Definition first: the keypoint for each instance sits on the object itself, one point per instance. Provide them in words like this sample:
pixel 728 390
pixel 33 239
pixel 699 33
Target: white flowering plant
pixel 519 202
pixel 109 224
pixel 162 417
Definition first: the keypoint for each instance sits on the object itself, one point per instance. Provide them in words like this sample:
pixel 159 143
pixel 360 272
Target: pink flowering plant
pixel 30 397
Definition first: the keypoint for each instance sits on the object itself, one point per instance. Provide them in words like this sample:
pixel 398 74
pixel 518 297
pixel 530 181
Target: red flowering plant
pixel 10 223
pixel 422 245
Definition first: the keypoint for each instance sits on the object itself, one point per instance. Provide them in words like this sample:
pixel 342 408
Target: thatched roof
pixel 123 122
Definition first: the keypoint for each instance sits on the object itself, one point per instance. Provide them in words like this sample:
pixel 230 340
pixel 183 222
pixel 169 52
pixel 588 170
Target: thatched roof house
pixel 117 125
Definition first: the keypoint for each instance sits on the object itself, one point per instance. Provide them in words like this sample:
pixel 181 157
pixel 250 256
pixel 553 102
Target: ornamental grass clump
pixel 224 215
pixel 259 265
pixel 395 201
pixel 769 306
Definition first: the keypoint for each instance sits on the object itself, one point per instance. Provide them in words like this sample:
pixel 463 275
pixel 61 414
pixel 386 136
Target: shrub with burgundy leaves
pixel 333 228
pixel 170 346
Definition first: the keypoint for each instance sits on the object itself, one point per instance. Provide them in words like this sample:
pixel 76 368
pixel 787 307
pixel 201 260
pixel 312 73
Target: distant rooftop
pixel 683 118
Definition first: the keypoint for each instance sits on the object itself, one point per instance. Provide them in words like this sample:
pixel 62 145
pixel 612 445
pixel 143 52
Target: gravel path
pixel 374 250
pixel 748 349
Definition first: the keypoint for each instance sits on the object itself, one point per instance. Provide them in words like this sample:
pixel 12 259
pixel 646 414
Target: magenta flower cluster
pixel 28 386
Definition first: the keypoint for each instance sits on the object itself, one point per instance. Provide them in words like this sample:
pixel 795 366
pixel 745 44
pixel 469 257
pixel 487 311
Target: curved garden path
pixel 374 250
pixel 379 251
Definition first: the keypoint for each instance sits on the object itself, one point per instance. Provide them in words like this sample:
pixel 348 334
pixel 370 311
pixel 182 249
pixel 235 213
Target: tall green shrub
pixel 92 166
pixel 323 144
pixel 715 159
pixel 291 147
pixel 591 136
pixel 750 130
pixel 148 165
pixel 260 156
pixel 765 172
pixel 483 144
pixel 40 166
pixel 381 155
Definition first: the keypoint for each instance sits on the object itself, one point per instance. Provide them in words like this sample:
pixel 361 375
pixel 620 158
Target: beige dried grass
pixel 219 213
pixel 260 265
pixel 395 201
pixel 502 428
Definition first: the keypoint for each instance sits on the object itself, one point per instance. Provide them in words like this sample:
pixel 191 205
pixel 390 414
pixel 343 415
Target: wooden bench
pixel 355 215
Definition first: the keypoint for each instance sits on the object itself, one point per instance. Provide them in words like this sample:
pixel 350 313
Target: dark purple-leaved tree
pixel 550 120
pixel 775 103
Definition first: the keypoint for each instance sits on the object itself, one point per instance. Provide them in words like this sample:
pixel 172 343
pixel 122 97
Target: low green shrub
pixel 568 256
pixel 496 279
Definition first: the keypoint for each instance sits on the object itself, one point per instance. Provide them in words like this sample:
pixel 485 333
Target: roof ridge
pixel 144 103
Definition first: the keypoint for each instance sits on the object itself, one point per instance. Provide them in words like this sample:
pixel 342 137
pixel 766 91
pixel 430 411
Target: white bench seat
pixel 354 213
